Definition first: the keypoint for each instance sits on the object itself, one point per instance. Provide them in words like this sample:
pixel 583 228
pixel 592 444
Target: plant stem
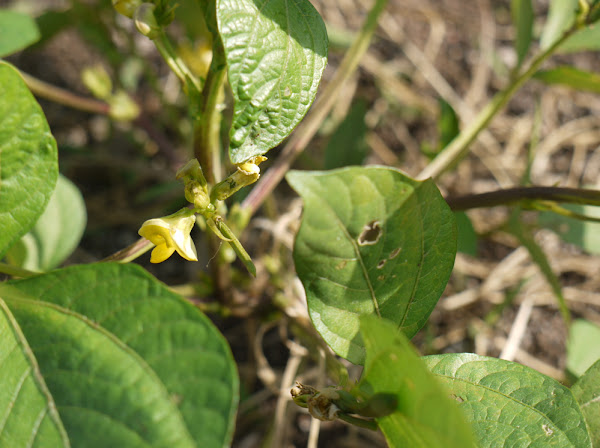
pixel 176 64
pixel 64 97
pixel 517 194
pixel 313 121
pixel 207 125
pixel 459 147
pixel 131 252
pixel 15 271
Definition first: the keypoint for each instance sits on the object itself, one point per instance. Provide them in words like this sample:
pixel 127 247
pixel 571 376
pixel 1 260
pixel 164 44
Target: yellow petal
pixel 160 253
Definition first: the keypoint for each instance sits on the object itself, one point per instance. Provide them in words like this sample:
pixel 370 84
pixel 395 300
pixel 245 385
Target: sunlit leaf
pixel 372 241
pixel 27 410
pixel 185 352
pixel 425 416
pixel 28 166
pixel 509 404
pixel 276 52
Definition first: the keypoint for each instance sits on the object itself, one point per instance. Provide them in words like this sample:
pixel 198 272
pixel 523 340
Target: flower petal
pixel 160 253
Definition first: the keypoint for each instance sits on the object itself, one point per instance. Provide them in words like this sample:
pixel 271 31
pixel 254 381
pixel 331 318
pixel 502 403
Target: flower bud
pixel 145 22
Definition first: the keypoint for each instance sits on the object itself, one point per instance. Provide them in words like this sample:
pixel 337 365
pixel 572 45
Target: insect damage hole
pixel 370 234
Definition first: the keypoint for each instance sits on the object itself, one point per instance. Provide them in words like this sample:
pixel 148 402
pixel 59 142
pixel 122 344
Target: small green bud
pixel 145 22
pixel 247 173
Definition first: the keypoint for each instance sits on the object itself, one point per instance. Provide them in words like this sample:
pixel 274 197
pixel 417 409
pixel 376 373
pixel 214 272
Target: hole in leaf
pixel 381 264
pixel 370 234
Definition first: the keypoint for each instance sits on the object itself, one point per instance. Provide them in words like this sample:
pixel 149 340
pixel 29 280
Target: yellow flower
pixel 170 234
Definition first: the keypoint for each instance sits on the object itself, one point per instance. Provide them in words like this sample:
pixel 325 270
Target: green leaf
pixel 181 345
pixel 276 52
pixel 585 234
pixel 347 145
pixel 56 233
pixel 571 77
pixel 425 416
pixel 372 241
pixel 587 39
pixel 587 393
pixel 583 349
pixel 105 393
pixel 467 238
pixel 522 17
pixel 28 166
pixel 448 124
pixel 509 404
pixel 17 31
pixel 28 414
pixel 560 18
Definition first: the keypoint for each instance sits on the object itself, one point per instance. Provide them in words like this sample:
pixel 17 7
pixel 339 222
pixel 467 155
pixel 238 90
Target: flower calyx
pixel 169 234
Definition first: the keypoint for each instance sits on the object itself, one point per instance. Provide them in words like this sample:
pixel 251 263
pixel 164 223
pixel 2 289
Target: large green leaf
pixel 372 241
pixel 587 393
pixel 509 404
pixel 28 414
pixel 583 348
pixel 28 158
pixel 181 345
pixel 105 393
pixel 276 52
pixel 55 234
pixel 17 31
pixel 425 416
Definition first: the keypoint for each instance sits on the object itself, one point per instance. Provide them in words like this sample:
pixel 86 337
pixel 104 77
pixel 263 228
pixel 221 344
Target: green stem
pixel 459 147
pixel 207 125
pixel 314 120
pixel 131 252
pixel 15 271
pixel 61 96
pixel 176 64
pixel 513 195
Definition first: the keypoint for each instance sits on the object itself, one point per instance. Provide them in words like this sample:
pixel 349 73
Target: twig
pixel 64 97
pixel 517 194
